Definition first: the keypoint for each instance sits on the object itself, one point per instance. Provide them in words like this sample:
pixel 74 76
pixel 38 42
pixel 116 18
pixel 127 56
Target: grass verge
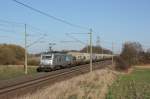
pixel 9 72
pixel 131 86
pixel 88 86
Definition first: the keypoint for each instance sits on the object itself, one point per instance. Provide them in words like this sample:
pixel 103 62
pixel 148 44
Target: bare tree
pixel 131 52
pixel 96 49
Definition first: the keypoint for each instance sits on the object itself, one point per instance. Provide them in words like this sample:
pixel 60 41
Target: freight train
pixel 54 61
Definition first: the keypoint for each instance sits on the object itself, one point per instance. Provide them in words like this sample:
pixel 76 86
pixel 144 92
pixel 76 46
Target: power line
pixel 11 22
pixel 75 38
pixel 38 40
pixel 6 30
pixel 3 36
pixel 4 24
pixel 51 16
pixel 36 30
pixel 98 41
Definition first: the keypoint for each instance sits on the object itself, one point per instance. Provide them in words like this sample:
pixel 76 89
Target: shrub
pixel 131 52
pixel 121 64
pixel 33 62
pixel 11 54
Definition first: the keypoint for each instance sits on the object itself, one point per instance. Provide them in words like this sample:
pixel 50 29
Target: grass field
pixel 131 86
pixel 8 72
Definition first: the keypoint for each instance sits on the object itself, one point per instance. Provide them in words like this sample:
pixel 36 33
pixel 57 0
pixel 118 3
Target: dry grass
pixel 147 66
pixel 88 86
pixel 13 71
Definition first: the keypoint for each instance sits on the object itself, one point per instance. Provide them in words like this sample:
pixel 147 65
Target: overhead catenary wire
pixel 38 40
pixel 4 25
pixel 50 16
pixel 75 39
pixel 11 22
pixel 6 30
pixel 3 36
pixel 14 27
pixel 7 25
pixel 34 30
pixel 10 26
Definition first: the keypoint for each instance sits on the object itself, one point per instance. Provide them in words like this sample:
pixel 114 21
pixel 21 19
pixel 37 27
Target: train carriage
pixel 53 61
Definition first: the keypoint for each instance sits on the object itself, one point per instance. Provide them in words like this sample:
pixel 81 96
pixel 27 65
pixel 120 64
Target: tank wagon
pixel 54 61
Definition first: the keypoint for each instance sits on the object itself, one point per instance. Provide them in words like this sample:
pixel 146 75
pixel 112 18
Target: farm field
pixel 131 86
pixel 9 72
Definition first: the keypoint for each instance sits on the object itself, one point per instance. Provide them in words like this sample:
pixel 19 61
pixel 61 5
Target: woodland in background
pixel 11 54
pixel 132 54
pixel 96 49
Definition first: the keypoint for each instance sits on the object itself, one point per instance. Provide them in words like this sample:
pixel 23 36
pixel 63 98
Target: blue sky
pixel 112 20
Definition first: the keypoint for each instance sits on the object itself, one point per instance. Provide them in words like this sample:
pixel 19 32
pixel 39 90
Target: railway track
pixel 48 78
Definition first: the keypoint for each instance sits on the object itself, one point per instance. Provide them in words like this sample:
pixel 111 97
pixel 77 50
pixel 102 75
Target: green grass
pixel 132 86
pixel 9 72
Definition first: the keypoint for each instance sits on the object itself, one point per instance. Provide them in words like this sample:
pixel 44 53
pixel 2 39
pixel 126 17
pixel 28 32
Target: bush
pixel 121 64
pixel 11 54
pixel 33 62
pixel 144 58
pixel 131 52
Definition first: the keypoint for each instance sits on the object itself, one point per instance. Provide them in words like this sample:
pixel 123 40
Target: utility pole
pixel 112 53
pixel 90 41
pixel 87 49
pixel 26 54
pixel 102 49
pixel 91 67
pixel 102 52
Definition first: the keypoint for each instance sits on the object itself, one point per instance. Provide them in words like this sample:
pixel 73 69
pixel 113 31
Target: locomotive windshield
pixel 46 57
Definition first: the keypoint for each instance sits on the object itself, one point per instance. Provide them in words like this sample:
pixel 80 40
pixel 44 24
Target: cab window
pixel 46 57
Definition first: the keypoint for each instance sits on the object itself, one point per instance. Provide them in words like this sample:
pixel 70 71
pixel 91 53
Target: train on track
pixel 55 61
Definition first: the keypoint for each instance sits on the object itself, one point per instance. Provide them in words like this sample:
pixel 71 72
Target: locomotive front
pixel 46 62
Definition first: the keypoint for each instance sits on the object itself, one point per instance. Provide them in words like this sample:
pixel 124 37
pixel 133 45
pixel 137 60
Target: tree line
pixel 11 54
pixel 132 54
pixel 96 49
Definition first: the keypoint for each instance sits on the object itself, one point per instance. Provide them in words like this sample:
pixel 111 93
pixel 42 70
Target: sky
pixel 115 21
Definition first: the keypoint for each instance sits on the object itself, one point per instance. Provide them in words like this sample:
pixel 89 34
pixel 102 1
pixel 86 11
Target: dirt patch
pixel 143 66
